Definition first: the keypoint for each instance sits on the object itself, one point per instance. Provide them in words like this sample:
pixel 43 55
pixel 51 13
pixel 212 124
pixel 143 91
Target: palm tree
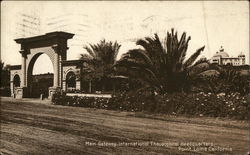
pixel 161 66
pixel 227 81
pixel 100 59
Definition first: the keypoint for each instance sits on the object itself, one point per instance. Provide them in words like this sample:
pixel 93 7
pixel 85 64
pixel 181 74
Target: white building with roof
pixel 222 58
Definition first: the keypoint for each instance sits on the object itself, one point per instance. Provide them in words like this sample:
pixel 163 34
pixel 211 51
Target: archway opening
pixel 16 82
pixel 70 81
pixel 41 74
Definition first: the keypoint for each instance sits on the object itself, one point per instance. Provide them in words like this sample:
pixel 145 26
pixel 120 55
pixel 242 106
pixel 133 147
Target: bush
pixel 197 104
pixel 230 80
pixel 5 91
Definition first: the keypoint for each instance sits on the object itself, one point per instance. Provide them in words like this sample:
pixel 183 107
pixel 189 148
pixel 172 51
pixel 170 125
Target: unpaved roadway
pixel 37 127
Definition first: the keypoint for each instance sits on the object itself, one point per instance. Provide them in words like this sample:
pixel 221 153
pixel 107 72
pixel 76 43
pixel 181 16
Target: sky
pixel 209 23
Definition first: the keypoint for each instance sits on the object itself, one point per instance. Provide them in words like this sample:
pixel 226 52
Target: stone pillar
pixel 64 85
pixel 11 88
pixel 24 72
pixel 21 92
pixel 56 71
pixel 56 84
pixel 78 85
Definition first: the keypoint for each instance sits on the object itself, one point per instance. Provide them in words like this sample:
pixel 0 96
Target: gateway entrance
pixel 54 45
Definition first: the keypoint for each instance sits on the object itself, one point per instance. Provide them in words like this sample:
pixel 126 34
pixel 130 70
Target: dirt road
pixel 35 127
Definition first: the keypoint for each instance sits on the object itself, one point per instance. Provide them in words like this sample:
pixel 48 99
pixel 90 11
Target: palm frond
pixel 200 61
pixel 160 64
pixel 90 51
pixel 193 57
pixel 100 58
pixel 139 54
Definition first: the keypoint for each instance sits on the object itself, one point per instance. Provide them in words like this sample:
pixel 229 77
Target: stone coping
pixel 90 95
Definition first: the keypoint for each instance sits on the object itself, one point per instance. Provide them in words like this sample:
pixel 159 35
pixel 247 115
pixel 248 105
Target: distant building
pixel 222 58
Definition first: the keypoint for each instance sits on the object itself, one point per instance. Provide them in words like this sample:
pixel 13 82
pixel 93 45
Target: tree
pixel 161 66
pixel 227 81
pixel 100 60
pixel 1 65
pixel 5 79
pixel 5 75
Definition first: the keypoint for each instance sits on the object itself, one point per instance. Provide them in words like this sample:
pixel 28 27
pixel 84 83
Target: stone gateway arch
pixel 54 45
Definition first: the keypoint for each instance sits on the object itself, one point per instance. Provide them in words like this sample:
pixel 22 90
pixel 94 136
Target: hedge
pixel 198 104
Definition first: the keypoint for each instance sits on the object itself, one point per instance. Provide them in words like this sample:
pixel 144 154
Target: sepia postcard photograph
pixel 124 78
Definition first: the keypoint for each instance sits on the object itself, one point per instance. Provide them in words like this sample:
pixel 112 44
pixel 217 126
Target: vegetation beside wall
pixel 4 79
pixel 196 104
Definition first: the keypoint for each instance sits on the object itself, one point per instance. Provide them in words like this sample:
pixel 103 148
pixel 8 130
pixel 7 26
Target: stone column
pixel 21 92
pixel 24 72
pixel 56 65
pixel 64 85
pixel 56 71
pixel 56 86
pixel 11 88
pixel 78 85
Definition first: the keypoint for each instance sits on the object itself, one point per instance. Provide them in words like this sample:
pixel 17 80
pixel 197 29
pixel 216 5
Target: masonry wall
pixel 12 74
pixel 76 71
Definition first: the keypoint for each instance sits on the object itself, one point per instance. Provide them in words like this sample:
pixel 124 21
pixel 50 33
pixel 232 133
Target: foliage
pixel 4 80
pixel 162 66
pixel 228 80
pixel 100 60
pixel 196 104
pixel 101 57
pixel 1 65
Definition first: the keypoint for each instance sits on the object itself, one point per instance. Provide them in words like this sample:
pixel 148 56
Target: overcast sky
pixel 209 23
